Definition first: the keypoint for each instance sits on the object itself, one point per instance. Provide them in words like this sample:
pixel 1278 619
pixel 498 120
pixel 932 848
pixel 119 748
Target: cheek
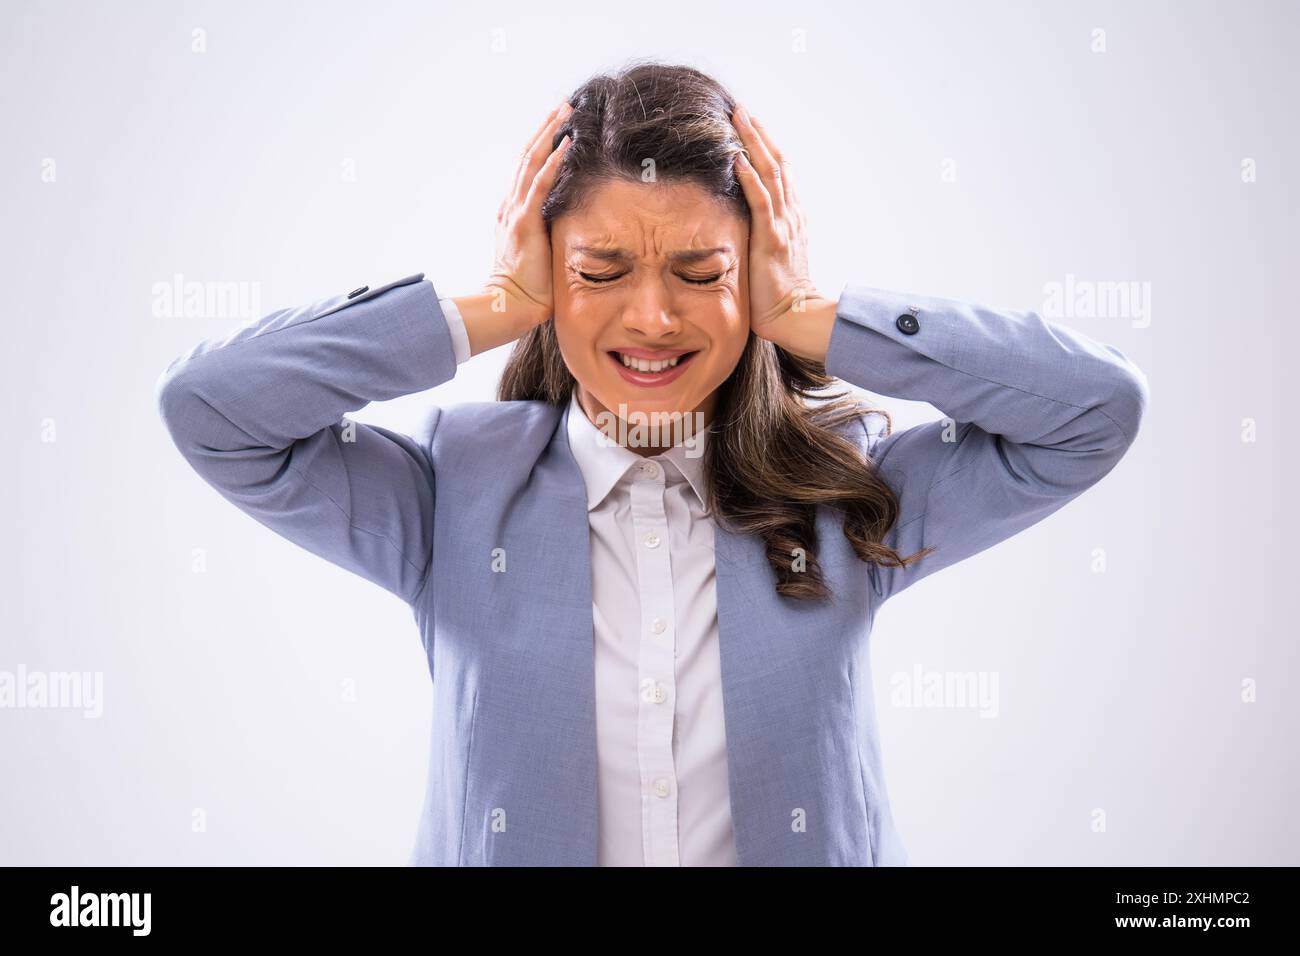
pixel 577 329
pixel 730 332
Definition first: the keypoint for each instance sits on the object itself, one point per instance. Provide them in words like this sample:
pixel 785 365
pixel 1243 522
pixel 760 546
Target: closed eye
pixel 598 280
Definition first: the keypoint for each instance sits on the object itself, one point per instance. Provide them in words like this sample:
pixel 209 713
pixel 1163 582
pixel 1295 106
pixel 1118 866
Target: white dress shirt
pixel 661 749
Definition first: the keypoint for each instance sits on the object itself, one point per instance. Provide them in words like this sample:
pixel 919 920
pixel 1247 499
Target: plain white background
pixel 270 708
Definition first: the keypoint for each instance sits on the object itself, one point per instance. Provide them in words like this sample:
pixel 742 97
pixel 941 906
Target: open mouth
pixel 651 372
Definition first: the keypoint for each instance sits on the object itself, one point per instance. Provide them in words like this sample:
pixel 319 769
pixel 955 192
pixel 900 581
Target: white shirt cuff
pixel 456 323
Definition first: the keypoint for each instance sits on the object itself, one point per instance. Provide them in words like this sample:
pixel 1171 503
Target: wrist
pixel 496 317
pixel 805 329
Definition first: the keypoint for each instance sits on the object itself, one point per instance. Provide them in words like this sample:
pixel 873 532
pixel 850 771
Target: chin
pixel 639 405
pixel 657 424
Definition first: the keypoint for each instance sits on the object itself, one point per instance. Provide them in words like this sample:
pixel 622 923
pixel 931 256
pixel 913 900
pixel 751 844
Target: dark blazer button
pixel 356 292
pixel 908 324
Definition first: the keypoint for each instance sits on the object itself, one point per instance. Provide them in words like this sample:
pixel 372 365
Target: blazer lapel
pixel 740 562
pixel 787 674
pixel 531 792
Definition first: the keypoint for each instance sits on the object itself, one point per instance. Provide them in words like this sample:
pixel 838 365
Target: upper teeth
pixel 645 365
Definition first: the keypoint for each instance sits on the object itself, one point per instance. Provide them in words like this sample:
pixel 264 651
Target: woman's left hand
pixel 784 306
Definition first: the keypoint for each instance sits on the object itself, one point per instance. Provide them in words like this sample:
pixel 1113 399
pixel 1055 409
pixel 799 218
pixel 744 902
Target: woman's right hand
pixel 521 273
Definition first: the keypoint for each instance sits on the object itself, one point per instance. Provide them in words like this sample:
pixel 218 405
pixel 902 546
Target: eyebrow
pixel 608 254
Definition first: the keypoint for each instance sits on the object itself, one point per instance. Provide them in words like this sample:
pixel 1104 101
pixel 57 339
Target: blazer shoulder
pixel 489 430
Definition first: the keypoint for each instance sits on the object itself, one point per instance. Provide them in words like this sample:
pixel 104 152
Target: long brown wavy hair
pixel 773 453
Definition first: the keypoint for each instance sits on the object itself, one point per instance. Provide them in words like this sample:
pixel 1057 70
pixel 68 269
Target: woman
pixel 641 654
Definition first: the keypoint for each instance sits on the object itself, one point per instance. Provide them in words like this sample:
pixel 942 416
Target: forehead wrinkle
pixel 628 221
pixel 607 249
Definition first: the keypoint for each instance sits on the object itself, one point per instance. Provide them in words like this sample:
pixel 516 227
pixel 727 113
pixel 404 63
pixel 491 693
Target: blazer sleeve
pixel 1035 415
pixel 259 415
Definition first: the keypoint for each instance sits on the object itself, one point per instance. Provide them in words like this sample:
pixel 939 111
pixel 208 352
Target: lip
pixel 652 379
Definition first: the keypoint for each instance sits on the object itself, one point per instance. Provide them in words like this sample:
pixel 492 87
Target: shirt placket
pixel 655 667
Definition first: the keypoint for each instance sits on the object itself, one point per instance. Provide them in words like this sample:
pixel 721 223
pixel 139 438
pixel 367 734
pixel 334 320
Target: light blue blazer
pixel 1038 413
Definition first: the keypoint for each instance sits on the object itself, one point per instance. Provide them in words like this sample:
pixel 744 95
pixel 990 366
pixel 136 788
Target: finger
pixel 521 161
pixel 756 194
pixel 793 208
pixel 782 164
pixel 536 155
pixel 787 181
pixel 761 158
pixel 539 151
pixel 545 179
pixel 792 198
pixel 791 193
pixel 532 138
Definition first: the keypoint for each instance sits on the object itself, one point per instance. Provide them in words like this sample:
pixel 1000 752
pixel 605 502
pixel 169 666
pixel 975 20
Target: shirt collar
pixel 603 463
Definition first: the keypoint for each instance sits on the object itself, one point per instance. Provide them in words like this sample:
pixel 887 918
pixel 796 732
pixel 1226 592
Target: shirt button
pixel 661 695
pixel 659 625
pixel 653 691
pixel 661 788
pixel 649 469
pixel 652 540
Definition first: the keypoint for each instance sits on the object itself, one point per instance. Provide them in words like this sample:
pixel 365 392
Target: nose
pixel 649 311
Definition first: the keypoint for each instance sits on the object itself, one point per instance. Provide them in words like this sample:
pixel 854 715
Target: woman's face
pixel 649 273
